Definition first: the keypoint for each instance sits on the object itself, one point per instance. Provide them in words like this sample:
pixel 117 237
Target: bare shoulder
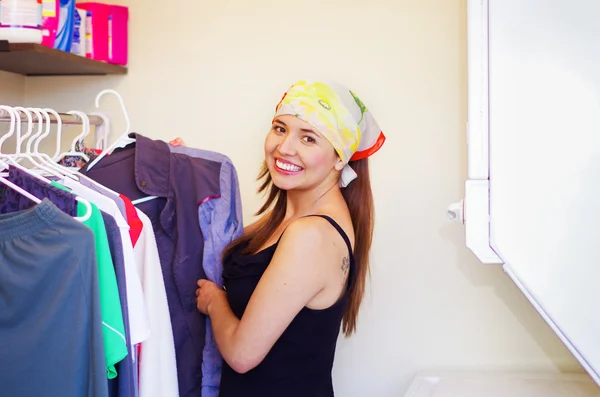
pixel 308 229
pixel 316 234
pixel 313 257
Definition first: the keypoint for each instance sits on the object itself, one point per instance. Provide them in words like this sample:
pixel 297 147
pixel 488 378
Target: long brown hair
pixel 359 199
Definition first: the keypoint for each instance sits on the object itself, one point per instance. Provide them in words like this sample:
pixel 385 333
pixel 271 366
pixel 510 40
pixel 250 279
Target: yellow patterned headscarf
pixel 338 114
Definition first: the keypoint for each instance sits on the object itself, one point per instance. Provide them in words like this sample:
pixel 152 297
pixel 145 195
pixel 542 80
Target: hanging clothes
pixel 135 304
pixel 181 183
pixel 139 323
pixel 157 360
pixel 127 274
pixel 93 185
pixel 78 161
pixel 124 385
pixel 135 224
pixel 11 201
pixel 115 344
pixel 156 373
pixel 221 222
pixel 49 282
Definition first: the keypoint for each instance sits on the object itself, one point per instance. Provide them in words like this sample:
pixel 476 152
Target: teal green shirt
pixel 113 330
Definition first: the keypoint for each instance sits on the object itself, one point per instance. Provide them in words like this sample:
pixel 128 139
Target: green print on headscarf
pixel 361 106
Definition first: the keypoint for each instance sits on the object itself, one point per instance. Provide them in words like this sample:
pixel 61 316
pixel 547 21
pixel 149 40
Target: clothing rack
pixel 66 119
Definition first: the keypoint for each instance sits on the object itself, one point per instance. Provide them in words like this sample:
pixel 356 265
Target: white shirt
pixel 158 366
pixel 139 322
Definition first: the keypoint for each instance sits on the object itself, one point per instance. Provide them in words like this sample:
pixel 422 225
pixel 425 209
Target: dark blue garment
pixel 51 340
pixel 221 222
pixel 300 362
pixel 11 200
pixel 181 183
pixel 123 385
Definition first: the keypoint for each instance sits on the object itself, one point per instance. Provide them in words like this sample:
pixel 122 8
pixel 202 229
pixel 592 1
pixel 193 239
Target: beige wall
pixel 13 90
pixel 12 93
pixel 212 72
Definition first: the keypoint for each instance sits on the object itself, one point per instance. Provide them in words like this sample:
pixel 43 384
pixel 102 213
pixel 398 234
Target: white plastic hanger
pixel 22 138
pixel 124 139
pixel 58 133
pixel 79 138
pixel 12 125
pixel 40 129
pixel 45 163
pixel 121 141
pixel 15 127
pixel 102 131
pixel 46 113
pixel 143 200
pixel 86 124
pixel 27 152
pixel 14 117
pixel 19 155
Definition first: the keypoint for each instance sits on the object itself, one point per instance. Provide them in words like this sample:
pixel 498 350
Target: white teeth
pixel 287 167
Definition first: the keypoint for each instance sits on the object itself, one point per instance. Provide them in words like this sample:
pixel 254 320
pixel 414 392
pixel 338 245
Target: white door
pixel 532 201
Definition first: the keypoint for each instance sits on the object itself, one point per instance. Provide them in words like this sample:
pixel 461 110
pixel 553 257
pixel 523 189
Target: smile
pixel 286 167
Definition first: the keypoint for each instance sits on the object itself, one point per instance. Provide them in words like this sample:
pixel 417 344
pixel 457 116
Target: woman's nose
pixel 288 146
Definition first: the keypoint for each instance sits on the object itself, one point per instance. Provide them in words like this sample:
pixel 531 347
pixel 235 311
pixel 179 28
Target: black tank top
pixel 299 364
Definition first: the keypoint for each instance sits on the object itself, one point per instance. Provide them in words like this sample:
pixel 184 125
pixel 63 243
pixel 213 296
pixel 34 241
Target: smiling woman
pixel 298 273
pixel 294 149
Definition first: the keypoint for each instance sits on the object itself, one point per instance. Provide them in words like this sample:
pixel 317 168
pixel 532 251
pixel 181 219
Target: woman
pixel 299 272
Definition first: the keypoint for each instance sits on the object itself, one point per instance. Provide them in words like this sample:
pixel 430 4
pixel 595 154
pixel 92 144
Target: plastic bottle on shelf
pixel 79 34
pixel 21 21
pixel 66 24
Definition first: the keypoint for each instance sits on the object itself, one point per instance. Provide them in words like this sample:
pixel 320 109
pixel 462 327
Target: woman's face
pixel 298 156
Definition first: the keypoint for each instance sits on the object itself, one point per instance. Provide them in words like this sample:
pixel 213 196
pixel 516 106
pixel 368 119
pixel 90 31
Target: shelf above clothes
pixel 31 59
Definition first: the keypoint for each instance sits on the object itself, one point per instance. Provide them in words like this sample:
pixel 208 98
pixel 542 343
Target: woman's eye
pixel 309 139
pixel 279 129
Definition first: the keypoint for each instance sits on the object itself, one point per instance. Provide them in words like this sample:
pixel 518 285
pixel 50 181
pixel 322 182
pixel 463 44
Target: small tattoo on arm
pixel 345 268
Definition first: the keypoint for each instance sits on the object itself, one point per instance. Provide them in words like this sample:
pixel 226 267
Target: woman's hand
pixel 206 293
pixel 177 142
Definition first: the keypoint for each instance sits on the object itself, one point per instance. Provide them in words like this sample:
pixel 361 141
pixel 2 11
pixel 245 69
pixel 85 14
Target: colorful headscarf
pixel 338 114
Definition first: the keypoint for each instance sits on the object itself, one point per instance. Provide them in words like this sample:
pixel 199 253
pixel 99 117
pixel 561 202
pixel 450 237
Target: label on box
pixel 89 44
pixel 110 37
pixel 48 8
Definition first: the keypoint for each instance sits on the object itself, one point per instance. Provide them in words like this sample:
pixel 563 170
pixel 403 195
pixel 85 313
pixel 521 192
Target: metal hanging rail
pixel 67 119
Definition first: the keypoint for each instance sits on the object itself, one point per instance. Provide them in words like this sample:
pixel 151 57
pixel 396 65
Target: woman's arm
pixel 296 274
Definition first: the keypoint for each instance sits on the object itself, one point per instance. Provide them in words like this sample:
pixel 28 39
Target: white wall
pixel 212 72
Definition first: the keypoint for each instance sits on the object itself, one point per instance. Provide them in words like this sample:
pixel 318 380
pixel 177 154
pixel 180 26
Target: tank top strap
pixel 339 229
pixel 336 226
pixel 351 263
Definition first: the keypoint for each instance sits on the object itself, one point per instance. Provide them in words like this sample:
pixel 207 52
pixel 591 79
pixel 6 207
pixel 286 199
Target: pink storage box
pixel 97 47
pixel 117 34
